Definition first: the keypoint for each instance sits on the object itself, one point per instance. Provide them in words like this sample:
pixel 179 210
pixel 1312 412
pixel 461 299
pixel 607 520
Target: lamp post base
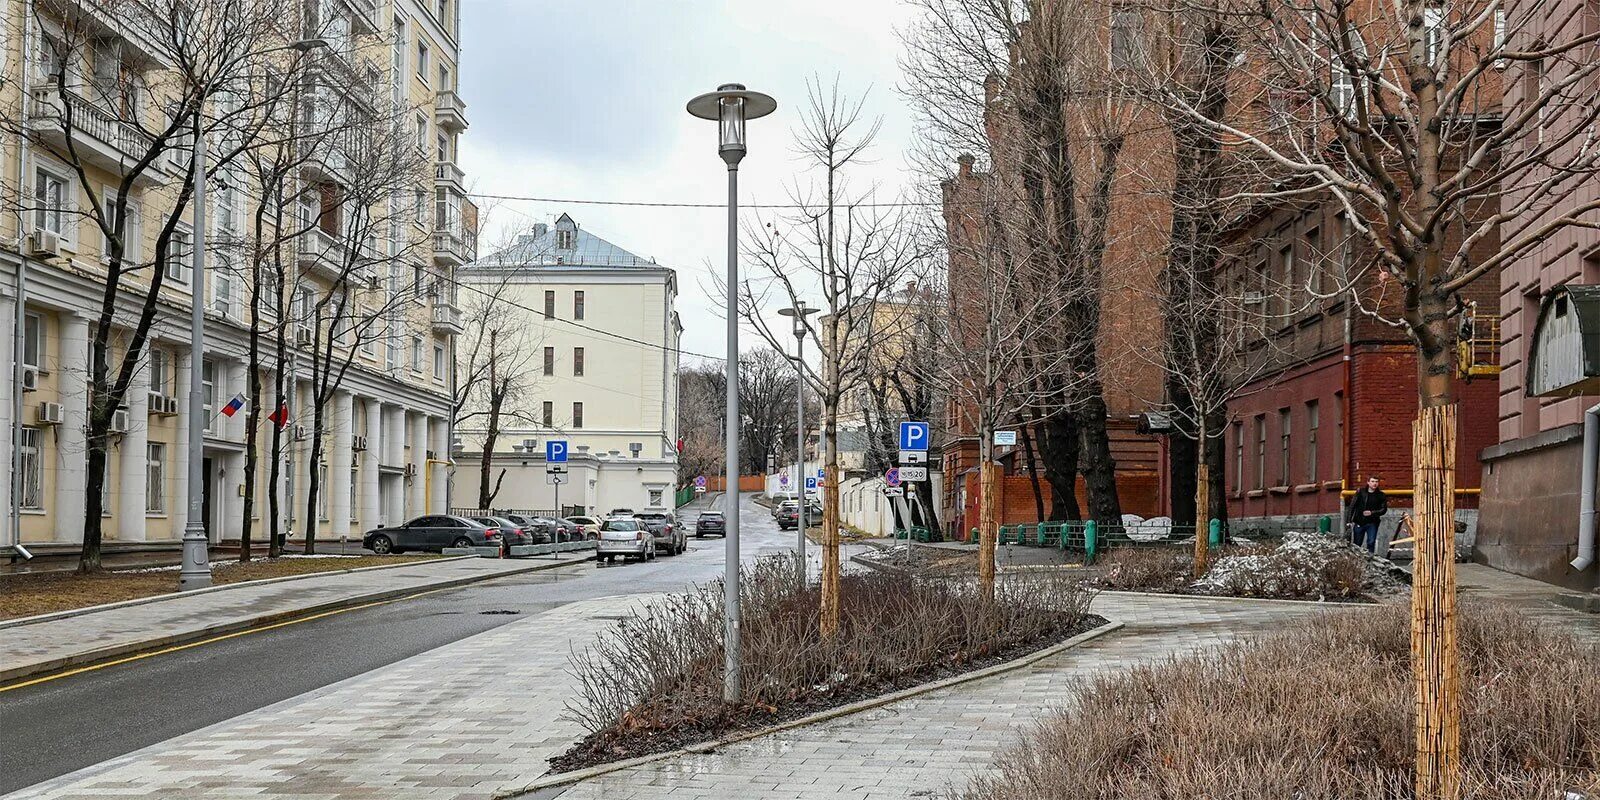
pixel 196 570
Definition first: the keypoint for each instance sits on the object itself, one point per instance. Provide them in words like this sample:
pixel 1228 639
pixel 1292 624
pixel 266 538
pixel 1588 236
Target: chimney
pixel 540 229
pixel 966 161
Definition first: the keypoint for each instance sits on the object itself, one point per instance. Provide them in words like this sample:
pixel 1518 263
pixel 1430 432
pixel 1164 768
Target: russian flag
pixel 233 406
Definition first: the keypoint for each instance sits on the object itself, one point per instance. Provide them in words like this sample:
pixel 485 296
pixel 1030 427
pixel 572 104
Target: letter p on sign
pixel 555 452
pixel 914 436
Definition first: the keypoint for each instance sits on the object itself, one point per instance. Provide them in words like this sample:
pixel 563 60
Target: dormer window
pixel 566 240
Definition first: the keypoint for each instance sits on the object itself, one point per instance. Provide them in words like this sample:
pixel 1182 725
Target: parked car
pixel 511 533
pixel 625 537
pixel 588 525
pixel 788 517
pixel 538 532
pixel 670 537
pixel 787 505
pixel 710 522
pixel 433 532
pixel 621 512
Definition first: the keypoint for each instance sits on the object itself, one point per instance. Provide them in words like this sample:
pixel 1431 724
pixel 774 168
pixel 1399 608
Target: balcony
pixel 446 319
pixel 134 22
pixel 321 253
pixel 450 176
pixel 450 111
pixel 454 248
pixel 99 137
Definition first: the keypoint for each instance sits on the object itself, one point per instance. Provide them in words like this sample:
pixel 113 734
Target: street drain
pixel 500 611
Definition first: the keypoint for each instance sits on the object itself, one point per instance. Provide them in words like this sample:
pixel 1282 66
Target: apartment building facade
pixel 601 332
pixel 379 367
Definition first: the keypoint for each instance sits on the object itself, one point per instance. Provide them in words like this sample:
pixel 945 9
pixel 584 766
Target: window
pixel 577 305
pixel 1500 37
pixel 1311 262
pixel 655 497
pixel 1313 420
pixel 32 496
pixel 322 496
pixel 577 361
pixel 222 294
pixel 441 146
pixel 419 207
pixel 1238 456
pixel 1261 451
pixel 1433 33
pixel 549 305
pixel 1285 432
pixel 155 478
pixel 50 202
pixel 422 133
pixel 577 415
pixel 422 60
pixel 549 361
pixel 1286 269
pixel 32 341
pixel 566 239
pixel 438 362
pixel 549 414
pixel 444 79
pixel 180 251
pixel 1127 47
pixel 160 369
pixel 416 354
pixel 1532 88
pixel 130 231
pixel 208 386
pixel 1338 427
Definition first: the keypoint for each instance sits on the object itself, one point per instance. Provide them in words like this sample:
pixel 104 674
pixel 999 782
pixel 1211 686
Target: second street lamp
pixel 799 313
pixel 731 106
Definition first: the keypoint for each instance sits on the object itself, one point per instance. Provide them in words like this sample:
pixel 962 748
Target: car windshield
pixel 620 525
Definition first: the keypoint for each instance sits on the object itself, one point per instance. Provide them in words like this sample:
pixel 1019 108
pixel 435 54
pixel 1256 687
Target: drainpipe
pixel 1586 513
pixel 14 513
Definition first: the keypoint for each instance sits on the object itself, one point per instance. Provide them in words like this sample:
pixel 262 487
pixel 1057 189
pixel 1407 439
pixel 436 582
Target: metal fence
pixel 1090 538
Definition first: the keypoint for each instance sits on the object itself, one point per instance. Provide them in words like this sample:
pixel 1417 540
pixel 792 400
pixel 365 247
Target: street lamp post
pixel 730 106
pixel 799 312
pixel 196 570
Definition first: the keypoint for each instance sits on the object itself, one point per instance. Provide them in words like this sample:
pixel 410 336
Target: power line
pixel 724 205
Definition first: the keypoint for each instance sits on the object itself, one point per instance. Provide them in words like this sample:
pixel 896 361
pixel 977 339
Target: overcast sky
pixel 584 99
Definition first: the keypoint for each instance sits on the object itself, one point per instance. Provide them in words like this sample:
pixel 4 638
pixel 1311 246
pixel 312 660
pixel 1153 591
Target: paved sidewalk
pixel 1536 599
pixel 483 714
pixel 50 645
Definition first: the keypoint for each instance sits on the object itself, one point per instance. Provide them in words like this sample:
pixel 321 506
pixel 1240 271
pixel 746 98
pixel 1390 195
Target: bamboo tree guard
pixel 1202 504
pixel 986 527
pixel 1433 606
pixel 830 550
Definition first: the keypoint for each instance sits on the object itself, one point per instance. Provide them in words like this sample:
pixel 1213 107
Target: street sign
pixel 783 480
pixel 822 472
pixel 699 490
pixel 811 484
pixel 555 479
pixel 913 474
pixel 555 451
pixel 914 436
pixel 1005 438
pixel 556 470
pixel 891 476
pixel 913 456
pixel 894 491
pixel 700 482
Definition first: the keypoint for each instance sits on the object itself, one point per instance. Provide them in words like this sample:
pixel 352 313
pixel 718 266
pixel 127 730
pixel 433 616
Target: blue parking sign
pixel 555 451
pixel 811 483
pixel 914 436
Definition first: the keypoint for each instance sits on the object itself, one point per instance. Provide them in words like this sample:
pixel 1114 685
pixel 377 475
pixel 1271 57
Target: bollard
pixel 1325 524
pixel 1089 543
pixel 1214 533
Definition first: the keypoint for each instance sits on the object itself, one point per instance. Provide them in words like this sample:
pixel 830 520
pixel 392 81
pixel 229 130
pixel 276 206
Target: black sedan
pixel 710 523
pixel 511 533
pixel 432 533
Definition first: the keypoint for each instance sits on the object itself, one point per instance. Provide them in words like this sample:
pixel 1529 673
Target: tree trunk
pixel 830 521
pixel 1433 605
pixel 1182 454
pixel 1099 468
pixel 987 489
pixel 1216 455
pixel 1033 470
pixel 94 484
pixel 1202 499
pixel 1058 444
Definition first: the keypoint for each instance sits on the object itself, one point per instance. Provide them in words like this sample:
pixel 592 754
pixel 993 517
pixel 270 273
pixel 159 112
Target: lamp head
pixel 731 106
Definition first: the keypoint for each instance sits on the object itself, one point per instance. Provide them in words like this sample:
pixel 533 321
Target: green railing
pixel 684 496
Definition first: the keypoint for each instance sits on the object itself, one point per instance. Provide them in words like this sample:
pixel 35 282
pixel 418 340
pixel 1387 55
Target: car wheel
pixel 382 545
pixel 461 542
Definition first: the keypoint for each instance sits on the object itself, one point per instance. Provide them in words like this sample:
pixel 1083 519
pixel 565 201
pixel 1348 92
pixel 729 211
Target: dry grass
pixel 659 672
pixel 1302 566
pixel 1320 712
pixel 29 593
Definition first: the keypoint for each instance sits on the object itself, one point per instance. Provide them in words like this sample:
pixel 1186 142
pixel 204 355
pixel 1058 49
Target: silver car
pixel 625 537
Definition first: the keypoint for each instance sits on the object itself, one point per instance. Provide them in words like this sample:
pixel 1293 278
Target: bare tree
pixel 1394 111
pixel 767 383
pixel 852 253
pixel 702 400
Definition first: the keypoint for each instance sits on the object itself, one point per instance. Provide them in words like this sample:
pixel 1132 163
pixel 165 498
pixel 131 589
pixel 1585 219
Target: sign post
pixel 915 439
pixel 555 452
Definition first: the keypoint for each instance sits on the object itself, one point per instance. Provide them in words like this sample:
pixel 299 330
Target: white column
pixel 235 372
pixel 371 509
pixel 419 457
pixel 132 453
pixel 178 472
pixel 71 444
pixel 441 477
pixel 341 427
pixel 394 435
pixel 8 322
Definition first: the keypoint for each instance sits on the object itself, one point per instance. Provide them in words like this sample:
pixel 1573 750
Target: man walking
pixel 1367 506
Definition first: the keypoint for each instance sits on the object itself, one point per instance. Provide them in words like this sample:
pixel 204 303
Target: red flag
pixel 281 416
pixel 680 445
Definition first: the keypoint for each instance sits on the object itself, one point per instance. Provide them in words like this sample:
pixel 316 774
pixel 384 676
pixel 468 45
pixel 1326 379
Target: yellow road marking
pixel 175 648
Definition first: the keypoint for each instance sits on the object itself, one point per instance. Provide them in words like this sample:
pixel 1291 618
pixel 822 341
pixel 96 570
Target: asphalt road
pixel 59 726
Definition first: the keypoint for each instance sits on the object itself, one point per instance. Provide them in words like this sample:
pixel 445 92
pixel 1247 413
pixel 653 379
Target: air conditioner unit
pixel 119 421
pixel 431 456
pixel 302 337
pixel 358 443
pixel 30 380
pixel 1253 298
pixel 162 404
pixel 411 470
pixel 299 433
pixel 171 409
pixel 44 243
pixel 51 414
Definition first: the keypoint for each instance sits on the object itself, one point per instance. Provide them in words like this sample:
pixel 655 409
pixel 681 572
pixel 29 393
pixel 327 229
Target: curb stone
pixel 577 776
pixel 185 637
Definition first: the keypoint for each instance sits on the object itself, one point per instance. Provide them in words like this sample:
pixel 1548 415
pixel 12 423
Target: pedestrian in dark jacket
pixel 1366 507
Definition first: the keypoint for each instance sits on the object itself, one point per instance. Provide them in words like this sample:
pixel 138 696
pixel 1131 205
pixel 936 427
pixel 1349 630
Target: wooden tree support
pixel 986 527
pixel 1435 668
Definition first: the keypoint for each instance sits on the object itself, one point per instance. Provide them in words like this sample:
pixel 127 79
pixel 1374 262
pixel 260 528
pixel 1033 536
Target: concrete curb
pixel 139 601
pixel 184 637
pixel 577 776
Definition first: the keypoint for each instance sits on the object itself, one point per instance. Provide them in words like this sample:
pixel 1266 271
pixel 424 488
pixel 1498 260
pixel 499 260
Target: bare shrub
pixel 660 669
pixel 1148 569
pixel 1303 566
pixel 1319 712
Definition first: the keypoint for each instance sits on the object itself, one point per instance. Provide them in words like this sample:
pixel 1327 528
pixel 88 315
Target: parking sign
pixel 811 484
pixel 891 477
pixel 914 436
pixel 555 451
pixel 700 482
